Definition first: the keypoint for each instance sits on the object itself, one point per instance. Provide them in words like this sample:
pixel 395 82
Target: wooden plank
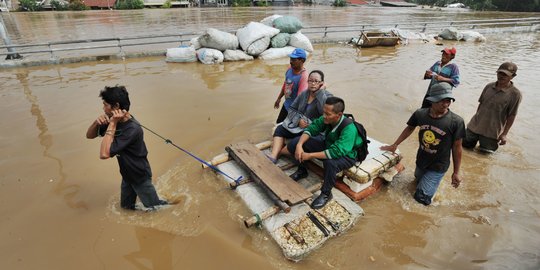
pixel 270 175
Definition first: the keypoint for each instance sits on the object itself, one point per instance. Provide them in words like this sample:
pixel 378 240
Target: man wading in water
pixel 440 134
pixel 123 138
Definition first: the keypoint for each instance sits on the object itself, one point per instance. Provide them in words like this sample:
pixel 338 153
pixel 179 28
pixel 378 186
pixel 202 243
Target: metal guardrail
pixel 120 43
pixel 423 26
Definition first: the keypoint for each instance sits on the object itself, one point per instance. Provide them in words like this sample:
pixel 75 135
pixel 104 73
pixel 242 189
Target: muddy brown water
pixel 59 202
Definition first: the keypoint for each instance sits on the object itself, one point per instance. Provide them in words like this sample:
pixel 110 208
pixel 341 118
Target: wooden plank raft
pixel 271 176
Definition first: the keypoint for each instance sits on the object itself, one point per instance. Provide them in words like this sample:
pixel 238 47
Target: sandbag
pixel 298 40
pixel 194 42
pixel 236 55
pixel 274 53
pixel 280 40
pixel 473 36
pixel 219 40
pixel 408 35
pixel 287 24
pixel 254 31
pixel 181 55
pixel 209 56
pixel 270 19
pixel 451 33
pixel 258 46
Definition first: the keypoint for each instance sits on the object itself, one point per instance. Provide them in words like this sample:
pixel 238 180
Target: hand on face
pixel 118 115
pixel 102 120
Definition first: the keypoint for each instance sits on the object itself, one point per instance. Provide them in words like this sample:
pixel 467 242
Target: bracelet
pixel 109 132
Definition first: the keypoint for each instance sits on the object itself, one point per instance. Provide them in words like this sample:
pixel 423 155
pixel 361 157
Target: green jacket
pixel 336 147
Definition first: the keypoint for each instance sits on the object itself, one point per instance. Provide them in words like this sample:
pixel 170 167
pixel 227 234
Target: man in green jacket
pixel 337 149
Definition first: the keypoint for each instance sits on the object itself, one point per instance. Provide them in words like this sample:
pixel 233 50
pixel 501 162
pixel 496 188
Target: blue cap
pixel 298 53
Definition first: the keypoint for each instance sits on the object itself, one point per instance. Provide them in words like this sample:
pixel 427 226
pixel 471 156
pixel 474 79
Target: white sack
pixel 298 40
pixel 181 55
pixel 209 56
pixel 451 33
pixel 406 34
pixel 194 42
pixel 270 19
pixel 473 36
pixel 254 31
pixel 258 46
pixel 274 53
pixel 236 55
pixel 219 40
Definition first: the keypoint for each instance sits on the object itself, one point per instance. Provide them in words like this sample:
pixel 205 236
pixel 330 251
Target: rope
pixel 259 220
pixel 193 156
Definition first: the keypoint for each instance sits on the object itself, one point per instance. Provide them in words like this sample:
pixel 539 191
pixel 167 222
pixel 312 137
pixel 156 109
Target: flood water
pixel 59 202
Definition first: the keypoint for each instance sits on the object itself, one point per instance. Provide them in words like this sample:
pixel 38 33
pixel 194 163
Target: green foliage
pixel 167 4
pixel 77 5
pixel 241 3
pixel 262 3
pixel 339 3
pixel 29 5
pixel 57 5
pixel 129 4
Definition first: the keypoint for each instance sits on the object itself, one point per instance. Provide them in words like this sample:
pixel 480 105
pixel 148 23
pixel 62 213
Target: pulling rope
pixel 192 155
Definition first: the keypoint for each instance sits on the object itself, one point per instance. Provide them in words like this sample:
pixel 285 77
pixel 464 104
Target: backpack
pixel 362 151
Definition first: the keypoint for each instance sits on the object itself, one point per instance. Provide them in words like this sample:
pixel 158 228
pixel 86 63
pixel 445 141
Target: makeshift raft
pixel 282 206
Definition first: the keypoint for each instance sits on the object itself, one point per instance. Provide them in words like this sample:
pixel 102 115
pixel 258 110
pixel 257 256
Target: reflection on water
pixel 154 252
pixel 68 191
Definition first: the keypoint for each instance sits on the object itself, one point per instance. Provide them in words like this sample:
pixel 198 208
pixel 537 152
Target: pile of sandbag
pixel 451 33
pixel 274 37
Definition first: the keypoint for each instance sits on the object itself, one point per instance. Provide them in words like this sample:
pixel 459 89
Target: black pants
pixel 282 115
pixel 144 190
pixel 331 166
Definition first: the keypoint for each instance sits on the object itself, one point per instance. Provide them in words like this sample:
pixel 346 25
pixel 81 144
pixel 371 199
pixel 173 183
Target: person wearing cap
pixel 440 134
pixel 442 71
pixel 296 82
pixel 496 112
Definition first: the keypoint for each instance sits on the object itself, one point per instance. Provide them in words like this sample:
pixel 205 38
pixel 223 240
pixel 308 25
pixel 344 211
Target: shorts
pixel 284 133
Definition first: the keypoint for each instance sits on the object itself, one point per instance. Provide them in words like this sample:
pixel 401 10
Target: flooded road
pixel 59 202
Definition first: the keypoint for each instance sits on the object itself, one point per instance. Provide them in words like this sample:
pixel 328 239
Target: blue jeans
pixel 428 182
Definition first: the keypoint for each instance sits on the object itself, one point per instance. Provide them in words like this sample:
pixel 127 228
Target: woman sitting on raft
pixel 306 107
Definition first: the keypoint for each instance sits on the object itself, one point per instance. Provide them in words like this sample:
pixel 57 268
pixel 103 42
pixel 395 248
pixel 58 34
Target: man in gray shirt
pixel 499 103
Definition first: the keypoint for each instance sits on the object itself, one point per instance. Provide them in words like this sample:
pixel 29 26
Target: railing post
pixel 53 56
pixel 121 53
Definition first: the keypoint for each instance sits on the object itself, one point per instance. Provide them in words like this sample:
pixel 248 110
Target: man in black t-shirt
pixel 440 133
pixel 123 138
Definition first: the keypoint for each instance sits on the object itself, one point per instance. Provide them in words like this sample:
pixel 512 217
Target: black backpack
pixel 362 151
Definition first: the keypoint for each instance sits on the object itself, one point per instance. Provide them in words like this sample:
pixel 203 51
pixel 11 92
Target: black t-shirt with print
pixel 436 137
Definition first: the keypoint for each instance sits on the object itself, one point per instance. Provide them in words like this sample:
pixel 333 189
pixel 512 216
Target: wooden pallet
pixel 268 174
